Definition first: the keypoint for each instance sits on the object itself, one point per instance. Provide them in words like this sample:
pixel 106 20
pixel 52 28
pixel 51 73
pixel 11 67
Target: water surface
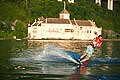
pixel 19 61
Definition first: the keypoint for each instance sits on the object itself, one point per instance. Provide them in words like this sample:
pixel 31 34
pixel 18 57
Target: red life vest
pixel 97 42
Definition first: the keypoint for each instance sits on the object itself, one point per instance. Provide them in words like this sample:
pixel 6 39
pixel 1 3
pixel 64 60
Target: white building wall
pixel 98 2
pixel 34 32
pixel 68 35
pixel 110 4
pixel 57 31
pixel 39 32
pixel 54 31
pixel 64 16
pixel 71 1
pixel 29 33
pixel 86 32
pixel 76 32
pixel 59 0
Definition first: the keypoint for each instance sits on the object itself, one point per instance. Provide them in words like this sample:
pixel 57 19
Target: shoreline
pixel 61 40
pixel 56 40
pixel 111 39
pixel 70 40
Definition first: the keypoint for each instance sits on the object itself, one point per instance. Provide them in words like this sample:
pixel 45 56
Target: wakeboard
pixel 75 56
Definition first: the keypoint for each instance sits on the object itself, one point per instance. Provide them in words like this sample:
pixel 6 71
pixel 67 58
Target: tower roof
pixel 64 12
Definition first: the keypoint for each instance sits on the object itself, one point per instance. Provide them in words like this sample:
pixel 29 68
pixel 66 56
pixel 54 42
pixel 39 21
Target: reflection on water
pixel 44 68
pixel 51 62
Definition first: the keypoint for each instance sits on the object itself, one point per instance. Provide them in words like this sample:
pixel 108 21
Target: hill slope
pixel 11 10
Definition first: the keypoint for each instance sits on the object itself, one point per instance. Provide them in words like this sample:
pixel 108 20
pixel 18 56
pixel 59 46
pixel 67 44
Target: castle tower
pixel 110 4
pixel 64 14
pixel 98 2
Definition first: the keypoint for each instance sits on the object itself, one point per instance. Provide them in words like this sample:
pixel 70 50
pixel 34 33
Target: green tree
pixel 20 30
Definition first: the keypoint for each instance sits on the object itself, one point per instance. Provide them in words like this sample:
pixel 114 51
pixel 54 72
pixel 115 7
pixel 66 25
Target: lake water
pixel 20 61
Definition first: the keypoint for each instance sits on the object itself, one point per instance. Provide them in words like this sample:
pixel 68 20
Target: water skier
pixel 96 43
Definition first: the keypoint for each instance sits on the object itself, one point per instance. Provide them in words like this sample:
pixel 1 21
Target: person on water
pixel 96 43
pixel 87 53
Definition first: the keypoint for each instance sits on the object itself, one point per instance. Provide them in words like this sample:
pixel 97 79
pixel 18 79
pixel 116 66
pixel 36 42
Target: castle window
pixel 49 29
pixel 80 28
pixel 34 31
pixel 87 31
pixel 72 30
pixel 90 31
pixel 52 29
pixel 69 30
pixel 62 16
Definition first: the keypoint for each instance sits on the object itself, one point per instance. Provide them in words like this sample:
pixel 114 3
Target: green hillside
pixel 25 11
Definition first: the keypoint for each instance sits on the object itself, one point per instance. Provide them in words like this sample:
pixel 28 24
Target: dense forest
pixel 16 14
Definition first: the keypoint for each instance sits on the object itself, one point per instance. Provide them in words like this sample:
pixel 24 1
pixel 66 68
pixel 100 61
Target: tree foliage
pixel 27 10
pixel 20 30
